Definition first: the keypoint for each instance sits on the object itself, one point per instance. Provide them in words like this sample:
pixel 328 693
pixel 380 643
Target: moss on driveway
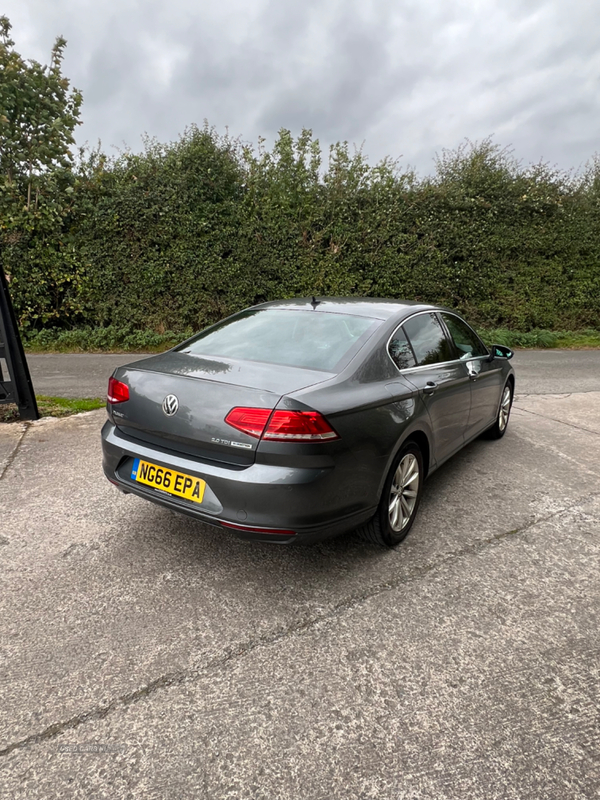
pixel 54 407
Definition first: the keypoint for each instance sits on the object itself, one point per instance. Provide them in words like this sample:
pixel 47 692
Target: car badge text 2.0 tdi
pixel 170 405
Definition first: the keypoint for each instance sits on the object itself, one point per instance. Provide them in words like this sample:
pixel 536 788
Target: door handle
pixel 430 387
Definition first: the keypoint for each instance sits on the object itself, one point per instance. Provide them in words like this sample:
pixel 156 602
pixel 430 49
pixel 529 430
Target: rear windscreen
pixel 308 339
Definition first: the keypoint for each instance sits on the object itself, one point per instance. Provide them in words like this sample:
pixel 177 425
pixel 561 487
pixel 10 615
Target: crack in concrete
pixel 242 649
pixel 560 421
pixel 13 455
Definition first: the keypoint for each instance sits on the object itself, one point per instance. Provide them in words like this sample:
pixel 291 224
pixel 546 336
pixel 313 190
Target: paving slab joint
pixel 553 419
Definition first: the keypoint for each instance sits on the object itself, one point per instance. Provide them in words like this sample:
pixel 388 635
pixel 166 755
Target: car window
pixel 428 339
pixel 400 350
pixel 308 339
pixel 466 340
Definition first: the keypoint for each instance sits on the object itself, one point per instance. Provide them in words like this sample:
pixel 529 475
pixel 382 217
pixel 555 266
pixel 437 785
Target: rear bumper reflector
pixel 251 529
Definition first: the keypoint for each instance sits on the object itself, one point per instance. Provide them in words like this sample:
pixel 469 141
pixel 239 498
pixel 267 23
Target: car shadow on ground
pixel 190 546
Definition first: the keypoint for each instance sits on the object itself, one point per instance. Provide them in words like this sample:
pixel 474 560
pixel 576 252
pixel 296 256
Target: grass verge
pixel 542 339
pixel 54 407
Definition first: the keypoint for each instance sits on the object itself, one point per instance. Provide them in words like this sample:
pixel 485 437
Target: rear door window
pixel 428 339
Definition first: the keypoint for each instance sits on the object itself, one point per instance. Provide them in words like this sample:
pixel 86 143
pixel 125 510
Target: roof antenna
pixel 314 302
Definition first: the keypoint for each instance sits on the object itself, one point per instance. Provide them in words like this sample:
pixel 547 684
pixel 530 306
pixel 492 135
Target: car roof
pixel 374 307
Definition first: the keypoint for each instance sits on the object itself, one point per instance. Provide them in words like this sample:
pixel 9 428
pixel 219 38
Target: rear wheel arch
pixel 421 440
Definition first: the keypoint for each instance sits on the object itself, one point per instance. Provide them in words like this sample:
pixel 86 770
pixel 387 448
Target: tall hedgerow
pixel 181 234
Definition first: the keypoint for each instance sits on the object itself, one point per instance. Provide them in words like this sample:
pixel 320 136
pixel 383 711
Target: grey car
pixel 298 420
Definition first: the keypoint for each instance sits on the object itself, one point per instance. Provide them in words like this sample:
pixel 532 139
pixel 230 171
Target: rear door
pixel 431 364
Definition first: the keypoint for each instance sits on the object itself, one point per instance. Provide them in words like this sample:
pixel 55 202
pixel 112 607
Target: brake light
pixel 118 392
pixel 304 426
pixel 249 420
pixel 281 426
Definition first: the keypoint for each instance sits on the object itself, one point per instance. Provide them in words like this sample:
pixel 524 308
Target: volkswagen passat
pixel 299 420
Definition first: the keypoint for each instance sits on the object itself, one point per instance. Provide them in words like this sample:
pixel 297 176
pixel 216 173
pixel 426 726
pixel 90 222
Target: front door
pixel 486 377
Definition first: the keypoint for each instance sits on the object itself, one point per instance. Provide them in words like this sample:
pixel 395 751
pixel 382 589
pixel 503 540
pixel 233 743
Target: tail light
pixel 118 392
pixel 281 426
pixel 249 420
pixel 298 426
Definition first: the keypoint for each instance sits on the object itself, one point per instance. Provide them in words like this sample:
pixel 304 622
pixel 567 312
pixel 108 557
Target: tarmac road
pixel 145 655
pixel 86 374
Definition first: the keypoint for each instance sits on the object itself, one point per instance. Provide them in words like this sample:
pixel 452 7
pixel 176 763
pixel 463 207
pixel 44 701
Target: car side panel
pixel 372 421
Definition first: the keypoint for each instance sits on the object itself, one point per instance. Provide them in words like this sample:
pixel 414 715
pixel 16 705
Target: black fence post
pixel 15 381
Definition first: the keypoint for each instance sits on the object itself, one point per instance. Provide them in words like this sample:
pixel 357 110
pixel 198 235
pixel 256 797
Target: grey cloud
pixel 359 83
pixel 406 77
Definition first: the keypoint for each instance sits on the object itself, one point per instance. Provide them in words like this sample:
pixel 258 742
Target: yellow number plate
pixel 176 483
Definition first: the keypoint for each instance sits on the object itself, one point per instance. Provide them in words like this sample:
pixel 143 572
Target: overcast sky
pixel 406 77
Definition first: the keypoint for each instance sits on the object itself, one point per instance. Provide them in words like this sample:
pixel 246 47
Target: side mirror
pixel 499 351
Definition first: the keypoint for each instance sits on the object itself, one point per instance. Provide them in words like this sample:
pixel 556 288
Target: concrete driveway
pixel 145 655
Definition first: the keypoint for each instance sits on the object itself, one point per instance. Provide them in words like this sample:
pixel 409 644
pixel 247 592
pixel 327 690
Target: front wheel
pixel 498 429
pixel 399 500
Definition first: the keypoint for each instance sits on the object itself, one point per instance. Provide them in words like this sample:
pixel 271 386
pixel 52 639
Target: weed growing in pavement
pixel 54 407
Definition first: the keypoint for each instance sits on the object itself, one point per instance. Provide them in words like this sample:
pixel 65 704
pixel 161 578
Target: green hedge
pixel 182 234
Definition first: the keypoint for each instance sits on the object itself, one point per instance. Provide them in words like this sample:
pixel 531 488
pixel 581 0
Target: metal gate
pixel 15 381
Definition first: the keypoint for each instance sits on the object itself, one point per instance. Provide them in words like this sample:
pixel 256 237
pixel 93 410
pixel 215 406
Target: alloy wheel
pixel 504 408
pixel 403 492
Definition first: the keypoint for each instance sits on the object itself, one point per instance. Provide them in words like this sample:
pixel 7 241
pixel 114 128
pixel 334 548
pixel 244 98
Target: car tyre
pixel 498 429
pixel 400 499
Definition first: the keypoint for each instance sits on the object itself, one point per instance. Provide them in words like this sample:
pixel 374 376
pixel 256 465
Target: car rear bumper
pixel 263 502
